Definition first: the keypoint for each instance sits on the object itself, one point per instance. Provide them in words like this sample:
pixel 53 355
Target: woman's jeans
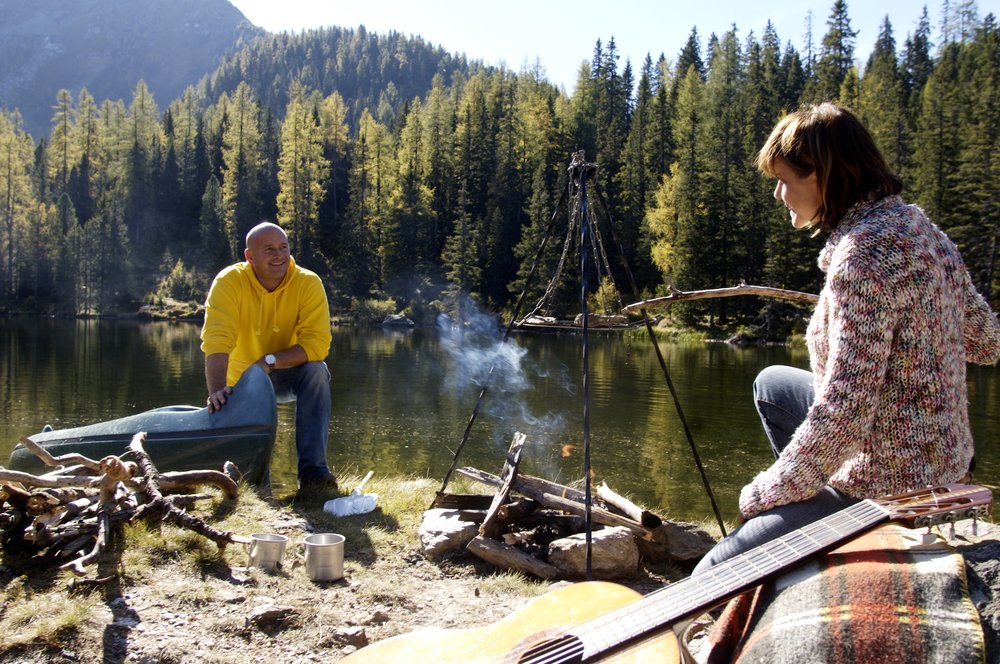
pixel 783 396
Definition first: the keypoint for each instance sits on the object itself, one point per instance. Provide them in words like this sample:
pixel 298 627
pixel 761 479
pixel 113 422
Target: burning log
pixel 490 527
pixel 509 557
pixel 627 507
pixel 563 499
pixel 541 530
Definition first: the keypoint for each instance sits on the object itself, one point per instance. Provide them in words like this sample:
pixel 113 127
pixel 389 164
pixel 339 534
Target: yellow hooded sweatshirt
pixel 247 322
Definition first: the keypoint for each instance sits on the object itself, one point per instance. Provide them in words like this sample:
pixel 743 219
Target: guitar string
pixel 818 536
pixel 794 546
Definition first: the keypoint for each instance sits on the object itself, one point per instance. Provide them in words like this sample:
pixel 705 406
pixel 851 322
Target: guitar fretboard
pixel 718 583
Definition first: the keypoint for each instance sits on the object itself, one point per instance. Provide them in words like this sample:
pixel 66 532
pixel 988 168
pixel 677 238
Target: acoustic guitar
pixel 602 621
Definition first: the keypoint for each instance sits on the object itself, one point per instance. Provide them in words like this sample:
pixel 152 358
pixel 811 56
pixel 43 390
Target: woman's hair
pixel 829 140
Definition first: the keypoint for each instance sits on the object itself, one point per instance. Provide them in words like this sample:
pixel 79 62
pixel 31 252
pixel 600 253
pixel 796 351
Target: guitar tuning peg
pixel 929 537
pixel 951 532
pixel 975 523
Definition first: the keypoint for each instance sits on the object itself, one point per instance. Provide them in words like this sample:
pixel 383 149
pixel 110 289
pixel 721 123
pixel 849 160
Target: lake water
pixel 402 400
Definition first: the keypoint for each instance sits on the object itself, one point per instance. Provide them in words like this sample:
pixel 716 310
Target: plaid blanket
pixel 884 597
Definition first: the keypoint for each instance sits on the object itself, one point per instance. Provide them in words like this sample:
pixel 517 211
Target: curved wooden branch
pixel 742 289
pixel 27 479
pixel 161 508
pixel 181 482
pixel 62 460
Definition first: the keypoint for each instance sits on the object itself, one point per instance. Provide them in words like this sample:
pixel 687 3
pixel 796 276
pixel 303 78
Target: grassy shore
pixel 171 596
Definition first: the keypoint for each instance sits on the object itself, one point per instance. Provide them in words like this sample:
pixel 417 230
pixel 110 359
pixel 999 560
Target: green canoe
pixel 179 437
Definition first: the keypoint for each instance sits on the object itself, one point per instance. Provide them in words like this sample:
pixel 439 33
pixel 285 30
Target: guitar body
pixel 543 617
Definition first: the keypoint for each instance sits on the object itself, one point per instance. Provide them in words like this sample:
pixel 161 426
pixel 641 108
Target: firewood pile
pixel 538 527
pixel 71 513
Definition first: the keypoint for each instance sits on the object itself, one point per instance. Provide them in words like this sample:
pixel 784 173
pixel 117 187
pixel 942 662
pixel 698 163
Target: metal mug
pixel 324 556
pixel 266 551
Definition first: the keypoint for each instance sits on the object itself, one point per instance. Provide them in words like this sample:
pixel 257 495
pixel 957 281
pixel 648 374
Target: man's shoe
pixel 323 482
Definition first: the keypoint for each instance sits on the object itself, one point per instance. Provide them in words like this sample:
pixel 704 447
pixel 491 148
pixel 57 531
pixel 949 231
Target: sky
pixel 561 34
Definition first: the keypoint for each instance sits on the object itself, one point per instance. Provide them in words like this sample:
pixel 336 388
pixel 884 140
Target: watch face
pixel 270 359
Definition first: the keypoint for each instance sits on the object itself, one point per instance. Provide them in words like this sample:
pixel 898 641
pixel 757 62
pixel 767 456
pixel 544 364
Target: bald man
pixel 269 312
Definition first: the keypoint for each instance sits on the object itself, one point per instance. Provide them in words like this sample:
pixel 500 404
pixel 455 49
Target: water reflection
pixel 401 403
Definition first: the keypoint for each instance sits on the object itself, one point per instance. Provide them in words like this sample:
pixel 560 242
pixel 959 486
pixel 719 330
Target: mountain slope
pixel 107 46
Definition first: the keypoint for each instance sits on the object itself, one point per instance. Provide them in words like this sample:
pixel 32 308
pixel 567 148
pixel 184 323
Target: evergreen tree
pixel 460 259
pixel 761 98
pixel 439 152
pixel 529 248
pixel 212 227
pixel 61 147
pixel 82 189
pixel 336 147
pixel 661 146
pixel 302 175
pixel 880 102
pixel 66 247
pixel 836 54
pixel 142 149
pixel 40 239
pixel 15 195
pixel 937 142
pixel 371 180
pixel 182 142
pixel 405 237
pixel 916 68
pixel 687 180
pixel 241 163
pixel 719 255
pixel 796 77
pixel 690 56
pixel 976 227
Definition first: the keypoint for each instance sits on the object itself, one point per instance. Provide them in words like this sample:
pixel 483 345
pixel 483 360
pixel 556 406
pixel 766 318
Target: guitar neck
pixel 696 594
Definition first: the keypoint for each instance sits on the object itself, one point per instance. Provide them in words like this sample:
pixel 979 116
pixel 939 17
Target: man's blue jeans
pixel 308 385
pixel 783 396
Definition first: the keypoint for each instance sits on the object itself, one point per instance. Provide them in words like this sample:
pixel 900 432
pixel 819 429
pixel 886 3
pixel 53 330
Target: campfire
pixel 70 513
pixel 538 527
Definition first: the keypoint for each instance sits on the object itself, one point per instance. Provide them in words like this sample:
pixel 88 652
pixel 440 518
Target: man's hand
pixel 217 399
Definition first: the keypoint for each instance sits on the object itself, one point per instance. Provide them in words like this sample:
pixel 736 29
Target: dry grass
pixel 175 596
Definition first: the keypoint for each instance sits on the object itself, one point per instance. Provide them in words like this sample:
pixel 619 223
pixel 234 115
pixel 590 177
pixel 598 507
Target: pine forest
pixel 409 178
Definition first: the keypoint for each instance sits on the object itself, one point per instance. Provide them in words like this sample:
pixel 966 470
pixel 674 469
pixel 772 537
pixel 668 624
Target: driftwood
pixel 49 460
pixel 185 482
pixel 64 513
pixel 742 289
pixel 27 479
pixel 161 509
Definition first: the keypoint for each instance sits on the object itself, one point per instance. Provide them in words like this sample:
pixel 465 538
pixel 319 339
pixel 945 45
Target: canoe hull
pixel 179 437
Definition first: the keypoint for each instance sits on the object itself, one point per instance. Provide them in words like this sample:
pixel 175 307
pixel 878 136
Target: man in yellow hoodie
pixel 270 312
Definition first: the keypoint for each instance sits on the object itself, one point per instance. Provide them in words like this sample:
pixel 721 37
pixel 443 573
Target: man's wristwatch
pixel 270 360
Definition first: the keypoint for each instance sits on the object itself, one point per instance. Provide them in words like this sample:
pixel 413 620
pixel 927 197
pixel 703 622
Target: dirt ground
pixel 172 597
pixel 181 601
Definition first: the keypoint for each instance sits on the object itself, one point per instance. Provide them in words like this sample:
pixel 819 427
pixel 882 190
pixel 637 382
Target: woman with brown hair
pixel 884 409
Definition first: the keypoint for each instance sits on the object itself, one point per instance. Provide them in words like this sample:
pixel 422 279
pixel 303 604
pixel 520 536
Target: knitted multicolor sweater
pixel 896 321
